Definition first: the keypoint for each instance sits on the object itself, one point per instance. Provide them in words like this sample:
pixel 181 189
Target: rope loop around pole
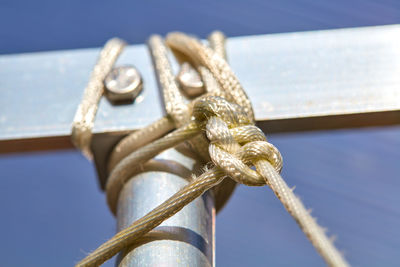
pixel 219 113
pixel 237 148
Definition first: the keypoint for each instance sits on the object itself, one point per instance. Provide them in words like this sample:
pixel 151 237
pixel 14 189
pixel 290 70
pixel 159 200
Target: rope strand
pixel 235 146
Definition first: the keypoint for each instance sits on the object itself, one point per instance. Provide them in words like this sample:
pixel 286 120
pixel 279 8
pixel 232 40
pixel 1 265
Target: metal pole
pixel 187 238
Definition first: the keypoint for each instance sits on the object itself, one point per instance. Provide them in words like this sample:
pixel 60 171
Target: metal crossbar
pixel 296 81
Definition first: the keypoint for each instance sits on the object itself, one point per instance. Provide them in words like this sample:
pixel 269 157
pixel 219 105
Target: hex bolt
pixel 190 81
pixel 123 84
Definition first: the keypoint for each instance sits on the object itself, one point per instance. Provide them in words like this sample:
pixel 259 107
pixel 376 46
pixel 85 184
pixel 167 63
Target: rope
pixel 236 146
pixel 86 112
pixel 170 94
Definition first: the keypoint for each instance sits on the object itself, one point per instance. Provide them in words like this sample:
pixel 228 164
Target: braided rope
pixel 197 145
pixel 236 145
pixel 174 116
pixel 84 117
pixel 200 55
pixel 173 99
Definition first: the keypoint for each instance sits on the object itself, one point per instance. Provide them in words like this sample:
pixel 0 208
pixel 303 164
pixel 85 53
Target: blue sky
pixel 53 213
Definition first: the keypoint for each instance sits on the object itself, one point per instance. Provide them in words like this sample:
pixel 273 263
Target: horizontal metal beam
pixel 296 81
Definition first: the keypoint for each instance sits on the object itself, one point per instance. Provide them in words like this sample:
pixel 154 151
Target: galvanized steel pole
pixel 186 239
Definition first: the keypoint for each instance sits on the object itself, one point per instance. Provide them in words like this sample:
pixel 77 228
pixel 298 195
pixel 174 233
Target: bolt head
pixel 190 81
pixel 123 84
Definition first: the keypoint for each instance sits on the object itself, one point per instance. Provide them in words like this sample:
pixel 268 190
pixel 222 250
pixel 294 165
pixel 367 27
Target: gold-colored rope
pixel 176 108
pixel 174 103
pixel 84 117
pixel 236 145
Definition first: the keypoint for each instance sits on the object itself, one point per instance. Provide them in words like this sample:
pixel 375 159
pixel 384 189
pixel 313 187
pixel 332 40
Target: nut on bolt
pixel 123 84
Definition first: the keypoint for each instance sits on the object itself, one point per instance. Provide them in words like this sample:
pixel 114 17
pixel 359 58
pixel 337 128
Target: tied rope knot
pixel 235 143
pixel 237 148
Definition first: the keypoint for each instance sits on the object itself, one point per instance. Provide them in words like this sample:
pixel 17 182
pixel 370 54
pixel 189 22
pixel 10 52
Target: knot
pixel 208 106
pixel 237 148
pixel 236 144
